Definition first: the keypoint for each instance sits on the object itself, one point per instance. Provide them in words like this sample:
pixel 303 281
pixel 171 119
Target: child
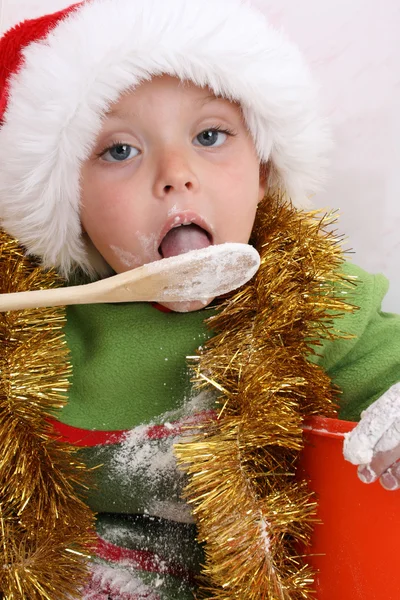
pixel 134 130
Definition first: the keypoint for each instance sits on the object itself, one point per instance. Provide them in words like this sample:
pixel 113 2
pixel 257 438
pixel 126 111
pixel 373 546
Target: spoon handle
pixel 42 298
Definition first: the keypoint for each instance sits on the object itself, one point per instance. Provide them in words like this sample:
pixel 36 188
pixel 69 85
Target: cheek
pixel 241 192
pixel 118 226
pixel 103 208
pixel 242 169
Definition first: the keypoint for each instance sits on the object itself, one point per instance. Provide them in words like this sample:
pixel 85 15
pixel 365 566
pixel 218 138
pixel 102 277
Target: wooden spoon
pixel 195 275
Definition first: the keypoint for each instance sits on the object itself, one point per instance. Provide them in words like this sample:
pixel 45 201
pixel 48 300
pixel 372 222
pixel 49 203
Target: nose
pixel 174 174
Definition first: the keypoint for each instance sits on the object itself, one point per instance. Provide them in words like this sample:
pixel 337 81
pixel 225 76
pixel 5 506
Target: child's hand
pixel 374 444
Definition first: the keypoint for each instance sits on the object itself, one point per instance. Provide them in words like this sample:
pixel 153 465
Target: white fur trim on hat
pixel 70 79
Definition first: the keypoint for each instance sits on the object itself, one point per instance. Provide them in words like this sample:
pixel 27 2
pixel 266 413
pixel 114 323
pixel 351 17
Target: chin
pixel 184 307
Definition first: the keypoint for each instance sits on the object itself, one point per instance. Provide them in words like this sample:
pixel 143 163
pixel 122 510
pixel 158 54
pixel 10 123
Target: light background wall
pixel 354 50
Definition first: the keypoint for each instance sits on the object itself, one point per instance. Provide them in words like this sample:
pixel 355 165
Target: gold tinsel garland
pixel 46 529
pixel 254 517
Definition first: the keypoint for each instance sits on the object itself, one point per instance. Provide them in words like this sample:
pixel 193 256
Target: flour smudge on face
pixel 148 244
pixel 126 258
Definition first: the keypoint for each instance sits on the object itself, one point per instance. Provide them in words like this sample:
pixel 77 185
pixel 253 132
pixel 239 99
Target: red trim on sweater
pixel 87 438
pixel 141 559
pixel 161 308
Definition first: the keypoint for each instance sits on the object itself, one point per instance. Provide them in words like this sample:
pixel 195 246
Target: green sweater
pixel 130 374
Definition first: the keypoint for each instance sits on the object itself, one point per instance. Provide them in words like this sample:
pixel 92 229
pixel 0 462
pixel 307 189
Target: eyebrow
pixel 212 97
pixel 127 114
pixel 119 114
pixel 209 98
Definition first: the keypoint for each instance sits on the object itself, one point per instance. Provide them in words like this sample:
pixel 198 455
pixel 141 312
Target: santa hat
pixel 59 74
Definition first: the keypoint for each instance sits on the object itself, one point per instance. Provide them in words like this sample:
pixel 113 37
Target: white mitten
pixel 374 444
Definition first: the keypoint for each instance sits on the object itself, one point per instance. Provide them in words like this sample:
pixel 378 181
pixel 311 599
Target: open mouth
pixel 184 238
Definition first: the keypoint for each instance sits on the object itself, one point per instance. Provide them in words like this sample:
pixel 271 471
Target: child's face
pixel 169 156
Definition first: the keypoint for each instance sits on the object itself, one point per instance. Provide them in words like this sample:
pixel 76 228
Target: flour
pixel 172 511
pixel 138 453
pixel 195 276
pixel 147 466
pixel 127 258
pixel 118 582
pixel 264 525
pixel 146 461
pixel 123 535
pixel 208 272
pixel 377 431
pixel 148 243
pixel 173 210
pixel 391 439
pixel 196 404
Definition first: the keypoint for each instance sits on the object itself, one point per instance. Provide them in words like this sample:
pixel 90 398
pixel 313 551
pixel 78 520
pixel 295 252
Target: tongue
pixel 183 239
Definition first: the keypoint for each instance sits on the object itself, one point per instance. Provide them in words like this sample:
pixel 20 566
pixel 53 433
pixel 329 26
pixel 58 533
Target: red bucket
pixel 355 547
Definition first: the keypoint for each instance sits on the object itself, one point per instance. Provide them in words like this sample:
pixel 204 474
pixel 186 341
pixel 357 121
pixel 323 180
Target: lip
pixel 185 218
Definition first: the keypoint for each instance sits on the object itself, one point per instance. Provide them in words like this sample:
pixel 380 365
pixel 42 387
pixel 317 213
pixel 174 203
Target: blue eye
pixel 119 153
pixel 211 137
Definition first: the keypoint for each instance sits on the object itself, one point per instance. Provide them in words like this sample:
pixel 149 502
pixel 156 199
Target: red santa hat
pixel 59 74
